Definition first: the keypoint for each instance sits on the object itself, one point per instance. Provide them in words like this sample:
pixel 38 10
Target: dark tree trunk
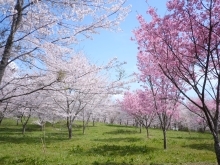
pixel 147 132
pixel 69 127
pixel 84 128
pixel 17 122
pixel 23 129
pixel 16 21
pixel 164 140
pixel 70 132
pixel 1 120
pixel 217 151
pixel 24 122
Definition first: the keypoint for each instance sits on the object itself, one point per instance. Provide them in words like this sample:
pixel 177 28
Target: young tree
pixel 185 46
pixel 162 94
pixel 81 86
pixel 139 105
pixel 25 107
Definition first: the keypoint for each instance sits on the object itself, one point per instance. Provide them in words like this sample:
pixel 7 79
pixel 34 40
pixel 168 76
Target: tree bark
pixel 70 132
pixel 69 127
pixel 16 21
pixel 17 122
pixel 93 123
pixel 23 129
pixel 140 128
pixel 147 132
pixel 164 140
pixel 217 151
pixel 1 118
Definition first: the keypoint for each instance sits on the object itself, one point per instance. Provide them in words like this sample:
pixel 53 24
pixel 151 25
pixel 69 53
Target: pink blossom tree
pixel 139 105
pixel 199 118
pixel 185 46
pixel 163 95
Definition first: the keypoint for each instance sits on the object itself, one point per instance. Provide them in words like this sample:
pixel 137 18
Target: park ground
pixel 101 144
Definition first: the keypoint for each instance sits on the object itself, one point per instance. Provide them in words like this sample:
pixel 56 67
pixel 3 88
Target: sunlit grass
pixel 101 145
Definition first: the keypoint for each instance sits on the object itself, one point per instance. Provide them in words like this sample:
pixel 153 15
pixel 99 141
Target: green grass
pixel 101 145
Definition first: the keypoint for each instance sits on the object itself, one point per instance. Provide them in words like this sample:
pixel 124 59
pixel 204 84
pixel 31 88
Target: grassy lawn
pixel 101 145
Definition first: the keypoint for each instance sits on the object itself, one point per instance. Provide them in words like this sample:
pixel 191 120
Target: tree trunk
pixel 1 118
pixel 70 132
pixel 16 21
pixel 217 151
pixel 69 127
pixel 23 129
pixel 147 132
pixel 140 128
pixel 84 127
pixel 42 127
pixel 164 140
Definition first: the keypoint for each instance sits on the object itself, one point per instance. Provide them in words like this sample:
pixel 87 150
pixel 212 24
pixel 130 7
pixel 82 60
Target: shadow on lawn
pixel 118 139
pixel 111 163
pixel 18 129
pixel 203 146
pixel 120 126
pixel 115 150
pixel 11 131
pixel 191 138
pixel 30 139
pixel 4 158
pixel 121 131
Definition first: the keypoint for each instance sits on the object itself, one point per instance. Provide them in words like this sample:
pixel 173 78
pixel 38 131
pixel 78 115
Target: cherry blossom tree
pixel 139 105
pixel 17 84
pixel 25 107
pixel 163 95
pixel 185 46
pixel 81 86
pixel 29 29
pixel 198 117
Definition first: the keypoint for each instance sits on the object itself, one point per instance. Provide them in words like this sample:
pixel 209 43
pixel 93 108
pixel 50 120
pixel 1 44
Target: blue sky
pixel 108 45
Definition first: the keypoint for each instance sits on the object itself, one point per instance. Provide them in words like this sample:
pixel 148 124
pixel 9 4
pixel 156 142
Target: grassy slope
pixel 101 145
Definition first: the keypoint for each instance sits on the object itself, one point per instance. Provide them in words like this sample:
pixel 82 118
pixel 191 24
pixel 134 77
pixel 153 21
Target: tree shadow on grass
pixel 118 139
pixel 4 159
pixel 117 150
pixel 204 146
pixel 6 130
pixel 110 163
pixel 117 163
pixel 119 126
pixel 18 129
pixel 191 138
pixel 121 131
pixel 28 139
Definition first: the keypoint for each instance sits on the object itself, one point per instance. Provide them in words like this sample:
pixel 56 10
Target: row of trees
pixel 78 86
pixel 40 73
pixel 179 58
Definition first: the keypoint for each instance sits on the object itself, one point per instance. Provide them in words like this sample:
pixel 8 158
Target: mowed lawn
pixel 101 145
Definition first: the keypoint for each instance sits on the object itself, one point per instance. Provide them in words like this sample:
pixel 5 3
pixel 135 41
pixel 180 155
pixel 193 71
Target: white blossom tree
pixel 32 28
pixel 81 86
